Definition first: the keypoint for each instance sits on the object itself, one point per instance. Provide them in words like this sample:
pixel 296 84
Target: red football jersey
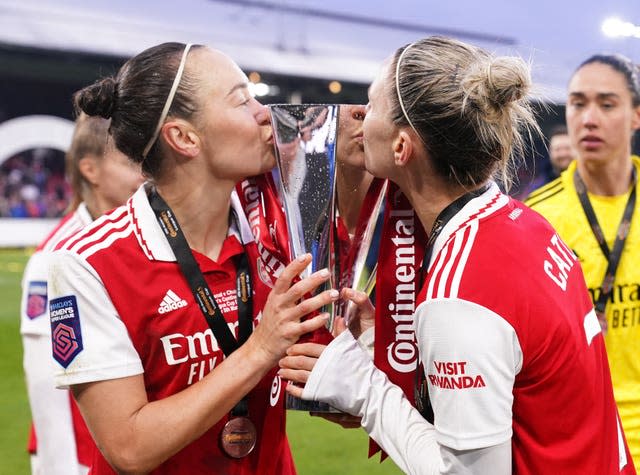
pixel 134 312
pixel 511 345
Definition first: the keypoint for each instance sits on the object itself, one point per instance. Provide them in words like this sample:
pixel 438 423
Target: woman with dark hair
pixel 161 324
pixel 102 178
pixel 593 206
pixel 515 376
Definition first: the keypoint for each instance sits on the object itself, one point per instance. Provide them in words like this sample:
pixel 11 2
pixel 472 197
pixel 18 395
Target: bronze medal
pixel 238 437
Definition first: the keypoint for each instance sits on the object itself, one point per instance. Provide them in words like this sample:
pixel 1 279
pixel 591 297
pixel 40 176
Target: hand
pixel 364 315
pixel 296 367
pixel 298 364
pixel 347 421
pixel 281 325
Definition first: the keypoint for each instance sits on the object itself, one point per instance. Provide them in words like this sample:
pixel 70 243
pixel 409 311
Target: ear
pixel 635 120
pixel 402 148
pixel 181 137
pixel 89 169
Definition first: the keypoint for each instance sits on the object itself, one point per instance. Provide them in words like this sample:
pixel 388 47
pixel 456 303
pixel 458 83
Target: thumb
pixel 338 326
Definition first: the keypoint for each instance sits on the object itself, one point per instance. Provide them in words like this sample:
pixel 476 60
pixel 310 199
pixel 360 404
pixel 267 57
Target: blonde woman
pixel 515 373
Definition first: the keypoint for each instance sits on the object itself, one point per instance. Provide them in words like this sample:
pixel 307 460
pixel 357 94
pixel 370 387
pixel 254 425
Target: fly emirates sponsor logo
pixel 454 375
pixel 402 353
pixel 199 350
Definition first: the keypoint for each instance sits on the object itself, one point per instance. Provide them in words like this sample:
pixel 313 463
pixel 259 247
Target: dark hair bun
pixel 98 99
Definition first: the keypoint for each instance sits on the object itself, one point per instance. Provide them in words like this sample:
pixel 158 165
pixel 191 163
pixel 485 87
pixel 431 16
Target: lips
pixel 591 141
pixel 269 139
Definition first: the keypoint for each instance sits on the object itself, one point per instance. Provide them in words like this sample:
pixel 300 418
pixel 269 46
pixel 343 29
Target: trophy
pixel 305 138
pixel 332 204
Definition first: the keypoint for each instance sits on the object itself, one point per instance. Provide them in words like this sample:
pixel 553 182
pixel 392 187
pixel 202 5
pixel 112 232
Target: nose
pixel 591 116
pixel 262 114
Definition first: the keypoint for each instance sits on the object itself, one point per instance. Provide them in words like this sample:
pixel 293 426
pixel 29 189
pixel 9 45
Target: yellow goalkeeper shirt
pixel 558 202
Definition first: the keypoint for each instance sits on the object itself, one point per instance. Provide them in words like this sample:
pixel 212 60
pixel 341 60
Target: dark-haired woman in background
pixel 102 178
pixel 161 324
pixel 594 208
pixel 515 373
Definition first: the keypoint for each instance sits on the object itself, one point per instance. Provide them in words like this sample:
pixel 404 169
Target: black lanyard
pixel 441 221
pixel 613 256
pixel 201 291
pixel 421 390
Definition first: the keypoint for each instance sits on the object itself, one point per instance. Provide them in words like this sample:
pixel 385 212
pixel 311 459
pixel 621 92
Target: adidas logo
pixel 515 213
pixel 171 302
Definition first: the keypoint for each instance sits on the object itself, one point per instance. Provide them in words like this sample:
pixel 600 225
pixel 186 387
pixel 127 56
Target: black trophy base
pixel 297 404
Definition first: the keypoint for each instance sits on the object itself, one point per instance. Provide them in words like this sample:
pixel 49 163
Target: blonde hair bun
pixel 469 108
pixel 495 83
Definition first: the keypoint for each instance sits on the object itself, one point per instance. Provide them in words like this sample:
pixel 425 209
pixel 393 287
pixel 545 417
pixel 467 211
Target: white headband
pixel 167 104
pixel 404 111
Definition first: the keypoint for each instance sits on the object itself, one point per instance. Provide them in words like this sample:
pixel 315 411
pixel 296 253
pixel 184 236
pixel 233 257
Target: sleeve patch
pixel 66 337
pixel 36 298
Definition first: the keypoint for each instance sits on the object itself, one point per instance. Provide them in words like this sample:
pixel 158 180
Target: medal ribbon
pixel 201 291
pixel 613 257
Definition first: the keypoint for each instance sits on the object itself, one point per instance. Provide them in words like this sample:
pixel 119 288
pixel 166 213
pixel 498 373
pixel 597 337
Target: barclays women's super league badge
pixel 66 335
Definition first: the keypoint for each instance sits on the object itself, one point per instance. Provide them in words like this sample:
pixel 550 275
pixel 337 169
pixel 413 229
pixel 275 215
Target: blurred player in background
pixel 102 178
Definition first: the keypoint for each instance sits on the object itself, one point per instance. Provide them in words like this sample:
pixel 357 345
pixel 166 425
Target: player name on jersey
pixel 561 262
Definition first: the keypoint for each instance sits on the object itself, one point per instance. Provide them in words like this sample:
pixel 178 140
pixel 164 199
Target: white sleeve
pixel 367 340
pixel 495 460
pixel 50 409
pixel 89 340
pixel 346 378
pixel 34 319
pixel 471 357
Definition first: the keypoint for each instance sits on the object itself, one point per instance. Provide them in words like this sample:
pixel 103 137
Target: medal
pixel 238 437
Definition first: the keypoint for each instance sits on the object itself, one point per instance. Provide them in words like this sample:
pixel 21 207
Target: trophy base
pixel 297 404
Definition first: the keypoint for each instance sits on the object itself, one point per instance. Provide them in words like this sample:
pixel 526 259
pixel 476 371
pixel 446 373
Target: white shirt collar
pixel 151 238
pixel 487 203
pixel 83 214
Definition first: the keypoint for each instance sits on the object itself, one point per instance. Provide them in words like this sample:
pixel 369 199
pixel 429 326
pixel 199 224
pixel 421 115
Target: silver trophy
pixel 332 204
pixel 305 176
pixel 359 202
